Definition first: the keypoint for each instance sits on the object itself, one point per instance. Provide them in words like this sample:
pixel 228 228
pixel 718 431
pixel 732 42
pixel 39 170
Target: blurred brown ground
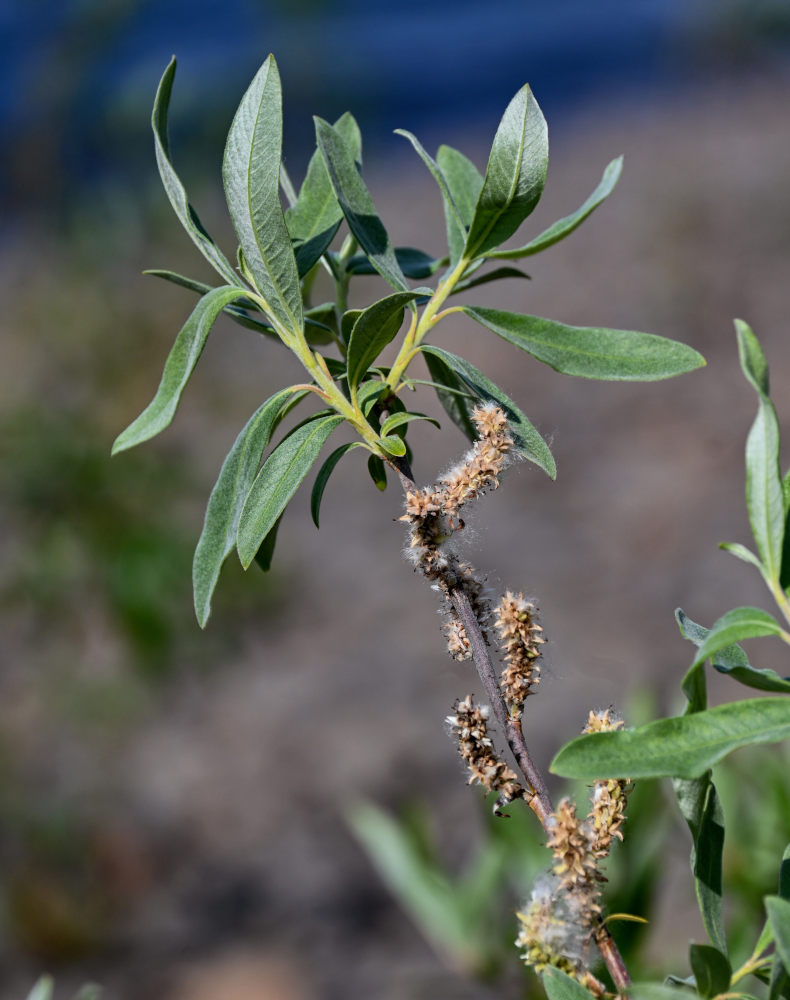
pixel 208 813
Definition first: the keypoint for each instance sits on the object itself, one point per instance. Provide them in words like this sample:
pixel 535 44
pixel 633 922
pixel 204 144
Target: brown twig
pixel 539 800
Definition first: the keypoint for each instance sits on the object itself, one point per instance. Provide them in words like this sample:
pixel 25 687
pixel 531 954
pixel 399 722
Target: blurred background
pixel 174 805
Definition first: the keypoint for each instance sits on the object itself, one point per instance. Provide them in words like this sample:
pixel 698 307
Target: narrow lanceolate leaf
pixel 778 910
pixel 560 986
pixel 784 875
pixel 453 394
pixel 437 174
pixel 515 175
pixel 179 366
pixel 175 189
pixel 735 626
pixel 413 262
pixel 374 328
pixel 315 216
pixel 700 806
pixel 236 312
pixel 278 480
pixel 591 352
pixel 711 968
pixel 732 660
pixel 764 493
pixel 496 275
pixel 251 172
pixel 565 226
pixel 323 478
pixel 236 476
pixel 683 746
pixel 357 205
pixel 464 181
pixel 400 419
pixel 528 440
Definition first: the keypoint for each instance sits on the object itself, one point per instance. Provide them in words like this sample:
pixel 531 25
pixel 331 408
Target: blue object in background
pixel 77 78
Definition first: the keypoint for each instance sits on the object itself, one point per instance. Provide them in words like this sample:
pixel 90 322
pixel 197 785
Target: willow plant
pixel 285 238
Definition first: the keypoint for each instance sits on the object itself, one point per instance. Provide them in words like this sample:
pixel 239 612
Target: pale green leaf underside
pixel 251 173
pixel 682 746
pixel 464 182
pixel 277 482
pixel 565 226
pixel 764 493
pixel 236 476
pixel 175 189
pixel 179 366
pixel 735 626
pixel 515 175
pixel 42 990
pixel 732 660
pixel 591 352
pixel 528 440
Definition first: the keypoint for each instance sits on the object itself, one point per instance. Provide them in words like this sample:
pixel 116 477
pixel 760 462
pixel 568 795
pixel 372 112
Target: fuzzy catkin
pixel 469 726
pixel 519 635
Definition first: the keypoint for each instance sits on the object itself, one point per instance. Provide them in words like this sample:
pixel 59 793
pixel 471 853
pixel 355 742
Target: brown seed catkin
pixel 469 726
pixel 519 635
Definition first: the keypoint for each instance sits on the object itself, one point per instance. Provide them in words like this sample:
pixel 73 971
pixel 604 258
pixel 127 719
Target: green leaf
pixel 515 175
pixel 236 312
pixel 778 911
pixel 453 394
pixel 529 442
pixel 277 482
pixel 560 986
pixel 265 554
pixel 378 472
pixel 43 988
pixel 496 275
pixel 711 969
pixel 735 626
pixel 315 216
pixel 464 181
pixel 565 226
pixel 742 553
pixel 591 352
pixel 173 186
pixel 393 445
pixel 423 890
pixel 374 328
pixel 235 479
pixel 178 368
pixel 438 176
pixel 764 493
pixel 683 746
pixel 399 419
pixel 414 263
pixel 699 804
pixel 357 205
pixel 323 478
pixel 732 660
pixel 251 173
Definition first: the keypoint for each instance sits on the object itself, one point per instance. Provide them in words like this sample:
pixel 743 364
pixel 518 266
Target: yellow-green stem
pixel 417 331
